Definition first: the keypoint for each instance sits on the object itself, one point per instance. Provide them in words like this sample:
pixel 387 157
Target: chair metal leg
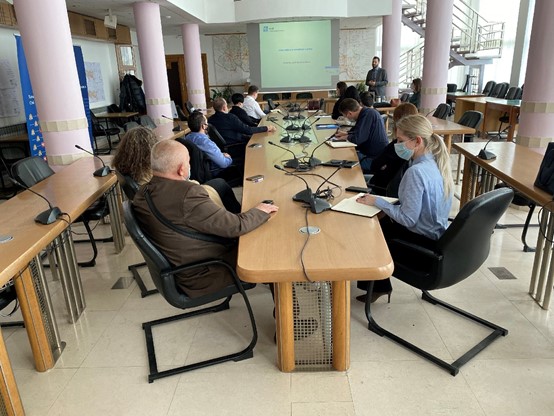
pixel 244 354
pixel 136 275
pixel 452 368
pixel 91 262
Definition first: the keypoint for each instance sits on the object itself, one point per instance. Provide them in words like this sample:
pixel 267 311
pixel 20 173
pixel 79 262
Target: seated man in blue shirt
pixel 368 134
pixel 198 126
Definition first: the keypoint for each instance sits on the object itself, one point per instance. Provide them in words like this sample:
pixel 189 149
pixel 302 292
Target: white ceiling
pixel 173 17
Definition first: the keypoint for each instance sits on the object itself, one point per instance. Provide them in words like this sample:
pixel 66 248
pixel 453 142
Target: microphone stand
pixel 317 205
pixel 291 163
pixel 176 128
pixel 101 172
pixel 486 154
pixel 45 217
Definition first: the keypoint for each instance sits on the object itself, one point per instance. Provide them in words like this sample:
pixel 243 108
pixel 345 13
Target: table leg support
pixel 284 321
pixel 542 277
pixel 114 203
pixel 341 325
pixel 10 402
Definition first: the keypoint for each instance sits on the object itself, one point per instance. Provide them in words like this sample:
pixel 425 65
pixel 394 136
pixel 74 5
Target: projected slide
pixel 295 54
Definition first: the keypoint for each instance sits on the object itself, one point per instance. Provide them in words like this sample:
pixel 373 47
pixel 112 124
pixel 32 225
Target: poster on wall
pixel 9 103
pixel 95 83
pixel 231 59
pixel 354 60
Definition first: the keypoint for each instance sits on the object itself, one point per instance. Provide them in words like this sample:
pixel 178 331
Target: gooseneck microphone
pixel 486 154
pixel 285 139
pixel 312 161
pixel 45 217
pixel 317 205
pixel 104 170
pixel 291 163
pixel 304 138
pixel 176 128
pixel 306 127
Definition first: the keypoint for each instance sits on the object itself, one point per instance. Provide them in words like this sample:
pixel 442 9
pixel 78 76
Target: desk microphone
pixel 326 180
pixel 285 139
pixel 486 154
pixel 104 170
pixel 45 217
pixel 304 127
pixel 317 205
pixel 292 163
pixel 304 138
pixel 177 128
pixel 312 161
pixel 288 117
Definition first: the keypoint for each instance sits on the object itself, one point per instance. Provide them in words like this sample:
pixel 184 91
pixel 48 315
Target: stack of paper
pixel 350 206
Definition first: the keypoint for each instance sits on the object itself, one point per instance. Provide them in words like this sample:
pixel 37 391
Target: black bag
pixel 545 177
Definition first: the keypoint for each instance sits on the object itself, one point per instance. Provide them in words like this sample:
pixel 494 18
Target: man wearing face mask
pixel 368 134
pixel 425 193
pixel 188 206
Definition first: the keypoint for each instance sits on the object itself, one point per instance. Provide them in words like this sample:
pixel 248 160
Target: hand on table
pixel 267 208
pixel 366 199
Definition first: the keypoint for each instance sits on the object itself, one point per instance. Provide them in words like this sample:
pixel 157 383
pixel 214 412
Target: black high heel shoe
pixel 374 296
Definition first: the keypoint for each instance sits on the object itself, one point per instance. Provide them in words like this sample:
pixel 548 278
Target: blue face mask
pixel 402 151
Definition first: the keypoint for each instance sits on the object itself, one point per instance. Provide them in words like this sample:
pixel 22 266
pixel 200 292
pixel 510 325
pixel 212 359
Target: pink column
pixel 193 65
pixel 438 33
pixel 152 60
pixel 392 26
pixel 44 28
pixel 537 107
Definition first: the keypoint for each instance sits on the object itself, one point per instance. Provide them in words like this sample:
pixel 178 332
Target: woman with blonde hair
pixel 425 193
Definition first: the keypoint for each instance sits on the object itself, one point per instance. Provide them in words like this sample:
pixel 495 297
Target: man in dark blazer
pixel 376 80
pixel 236 109
pixel 187 205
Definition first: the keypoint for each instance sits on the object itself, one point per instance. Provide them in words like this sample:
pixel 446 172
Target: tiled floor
pixel 103 369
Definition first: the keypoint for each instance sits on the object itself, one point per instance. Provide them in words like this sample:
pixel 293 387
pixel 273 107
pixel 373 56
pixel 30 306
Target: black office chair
pixel 270 96
pixel 236 150
pixel 189 107
pixel 471 119
pixel 130 125
pixel 9 154
pixel 304 95
pixel 146 121
pixel 180 113
pixel 442 111
pixel 271 105
pixel 99 130
pixel 130 188
pixel 163 274
pixel 489 87
pixel 512 94
pixel 32 170
pixel 216 137
pixel 460 252
pixel 7 296
pixel 500 90
pixel 199 165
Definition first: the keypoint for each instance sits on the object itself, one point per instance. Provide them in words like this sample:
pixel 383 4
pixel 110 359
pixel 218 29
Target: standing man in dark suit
pixel 376 80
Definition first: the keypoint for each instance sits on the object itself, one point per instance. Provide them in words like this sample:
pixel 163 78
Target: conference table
pixel 310 257
pixel 73 189
pixel 492 109
pixel 165 130
pixel 447 129
pixel 517 166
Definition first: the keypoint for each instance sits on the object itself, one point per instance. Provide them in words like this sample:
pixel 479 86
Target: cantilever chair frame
pixel 436 257
pixel 160 267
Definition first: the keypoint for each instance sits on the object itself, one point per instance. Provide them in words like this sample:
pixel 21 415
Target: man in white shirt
pixel 251 106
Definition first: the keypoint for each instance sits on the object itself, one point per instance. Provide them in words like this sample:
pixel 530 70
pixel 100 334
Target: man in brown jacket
pixel 187 205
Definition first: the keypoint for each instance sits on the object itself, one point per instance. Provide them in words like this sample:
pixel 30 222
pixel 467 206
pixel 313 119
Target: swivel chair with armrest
pixel 442 111
pixel 461 250
pixel 489 86
pixel 163 274
pixel 32 170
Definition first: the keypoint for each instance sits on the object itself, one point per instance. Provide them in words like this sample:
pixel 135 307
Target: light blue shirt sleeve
pixel 210 149
pixel 423 207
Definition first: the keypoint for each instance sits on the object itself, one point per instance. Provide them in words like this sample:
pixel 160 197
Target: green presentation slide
pixel 295 54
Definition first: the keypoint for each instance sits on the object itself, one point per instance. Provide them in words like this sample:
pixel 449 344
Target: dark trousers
pixel 392 230
pixel 226 194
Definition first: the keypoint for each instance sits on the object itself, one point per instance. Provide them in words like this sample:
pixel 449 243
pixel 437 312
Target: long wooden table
pixel 517 166
pixel 73 189
pixel 447 129
pixel 496 108
pixel 347 247
pixel 165 130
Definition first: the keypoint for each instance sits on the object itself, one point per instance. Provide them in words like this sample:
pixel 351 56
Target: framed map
pixel 354 57
pixel 95 83
pixel 231 59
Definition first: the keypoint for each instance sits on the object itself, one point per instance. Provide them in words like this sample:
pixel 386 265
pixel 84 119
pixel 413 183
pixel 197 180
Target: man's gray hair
pixel 167 156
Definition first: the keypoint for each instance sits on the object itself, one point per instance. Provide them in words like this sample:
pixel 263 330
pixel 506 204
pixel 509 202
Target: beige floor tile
pixel 323 409
pixel 320 387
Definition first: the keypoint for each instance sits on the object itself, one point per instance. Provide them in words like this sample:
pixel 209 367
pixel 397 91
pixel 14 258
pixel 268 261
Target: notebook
pixel 350 206
pixel 340 144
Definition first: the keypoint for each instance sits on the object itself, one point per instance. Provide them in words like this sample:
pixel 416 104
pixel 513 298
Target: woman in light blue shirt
pixel 425 193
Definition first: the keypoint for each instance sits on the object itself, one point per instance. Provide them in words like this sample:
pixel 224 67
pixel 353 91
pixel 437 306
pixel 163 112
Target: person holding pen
pixel 425 193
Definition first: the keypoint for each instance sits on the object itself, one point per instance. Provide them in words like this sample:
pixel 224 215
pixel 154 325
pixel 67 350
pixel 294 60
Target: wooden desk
pixel 496 108
pixel 165 131
pixel 447 129
pixel 471 103
pixel 123 114
pixel 517 166
pixel 347 248
pixel 72 189
pixel 453 96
